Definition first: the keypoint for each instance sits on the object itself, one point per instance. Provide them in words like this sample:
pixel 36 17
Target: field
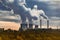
pixel 40 34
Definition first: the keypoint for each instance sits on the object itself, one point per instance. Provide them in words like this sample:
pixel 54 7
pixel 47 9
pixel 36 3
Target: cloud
pixel 54 5
pixel 11 1
pixel 45 0
pixel 55 18
pixel 9 16
pixel 50 7
pixel 55 23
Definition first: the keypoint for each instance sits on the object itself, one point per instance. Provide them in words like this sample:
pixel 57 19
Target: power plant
pixel 40 23
pixel 30 26
pixel 47 24
pixel 26 12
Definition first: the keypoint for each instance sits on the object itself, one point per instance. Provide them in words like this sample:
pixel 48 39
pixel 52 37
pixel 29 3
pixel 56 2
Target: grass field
pixel 40 34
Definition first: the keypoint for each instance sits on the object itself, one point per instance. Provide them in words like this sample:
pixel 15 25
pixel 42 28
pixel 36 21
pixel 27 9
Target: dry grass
pixel 31 35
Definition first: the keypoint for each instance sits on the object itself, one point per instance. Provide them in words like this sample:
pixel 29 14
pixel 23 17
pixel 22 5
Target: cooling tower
pixel 23 27
pixel 36 26
pixel 30 26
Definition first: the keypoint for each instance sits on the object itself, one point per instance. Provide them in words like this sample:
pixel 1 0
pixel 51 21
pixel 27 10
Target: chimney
pixel 40 23
pixel 47 24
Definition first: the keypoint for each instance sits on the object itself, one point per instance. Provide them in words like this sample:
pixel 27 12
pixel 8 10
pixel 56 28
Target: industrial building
pixel 33 26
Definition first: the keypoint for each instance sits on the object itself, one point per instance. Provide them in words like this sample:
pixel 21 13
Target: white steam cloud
pixel 45 0
pixel 33 12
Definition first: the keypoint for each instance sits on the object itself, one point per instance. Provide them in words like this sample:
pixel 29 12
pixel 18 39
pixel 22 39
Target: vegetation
pixel 40 34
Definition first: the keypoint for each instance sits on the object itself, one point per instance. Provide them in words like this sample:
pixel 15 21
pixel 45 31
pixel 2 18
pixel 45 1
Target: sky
pixel 50 7
pixel 9 25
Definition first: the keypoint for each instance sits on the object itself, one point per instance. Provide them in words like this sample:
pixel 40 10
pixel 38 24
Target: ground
pixel 40 34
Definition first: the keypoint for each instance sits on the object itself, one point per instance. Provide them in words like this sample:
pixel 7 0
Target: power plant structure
pixel 36 26
pixel 40 23
pixel 25 26
pixel 24 12
pixel 47 24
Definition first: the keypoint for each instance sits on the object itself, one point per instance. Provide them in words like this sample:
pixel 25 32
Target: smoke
pixel 8 16
pixel 45 0
pixel 43 14
pixel 37 13
pixel 11 1
pixel 23 11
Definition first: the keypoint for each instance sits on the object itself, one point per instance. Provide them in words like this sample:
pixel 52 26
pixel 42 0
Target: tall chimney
pixel 40 23
pixel 47 24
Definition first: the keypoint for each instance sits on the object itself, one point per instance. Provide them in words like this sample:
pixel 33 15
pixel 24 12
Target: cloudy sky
pixel 50 7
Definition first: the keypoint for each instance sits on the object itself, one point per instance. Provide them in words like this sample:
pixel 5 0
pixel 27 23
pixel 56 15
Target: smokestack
pixel 40 23
pixel 47 24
